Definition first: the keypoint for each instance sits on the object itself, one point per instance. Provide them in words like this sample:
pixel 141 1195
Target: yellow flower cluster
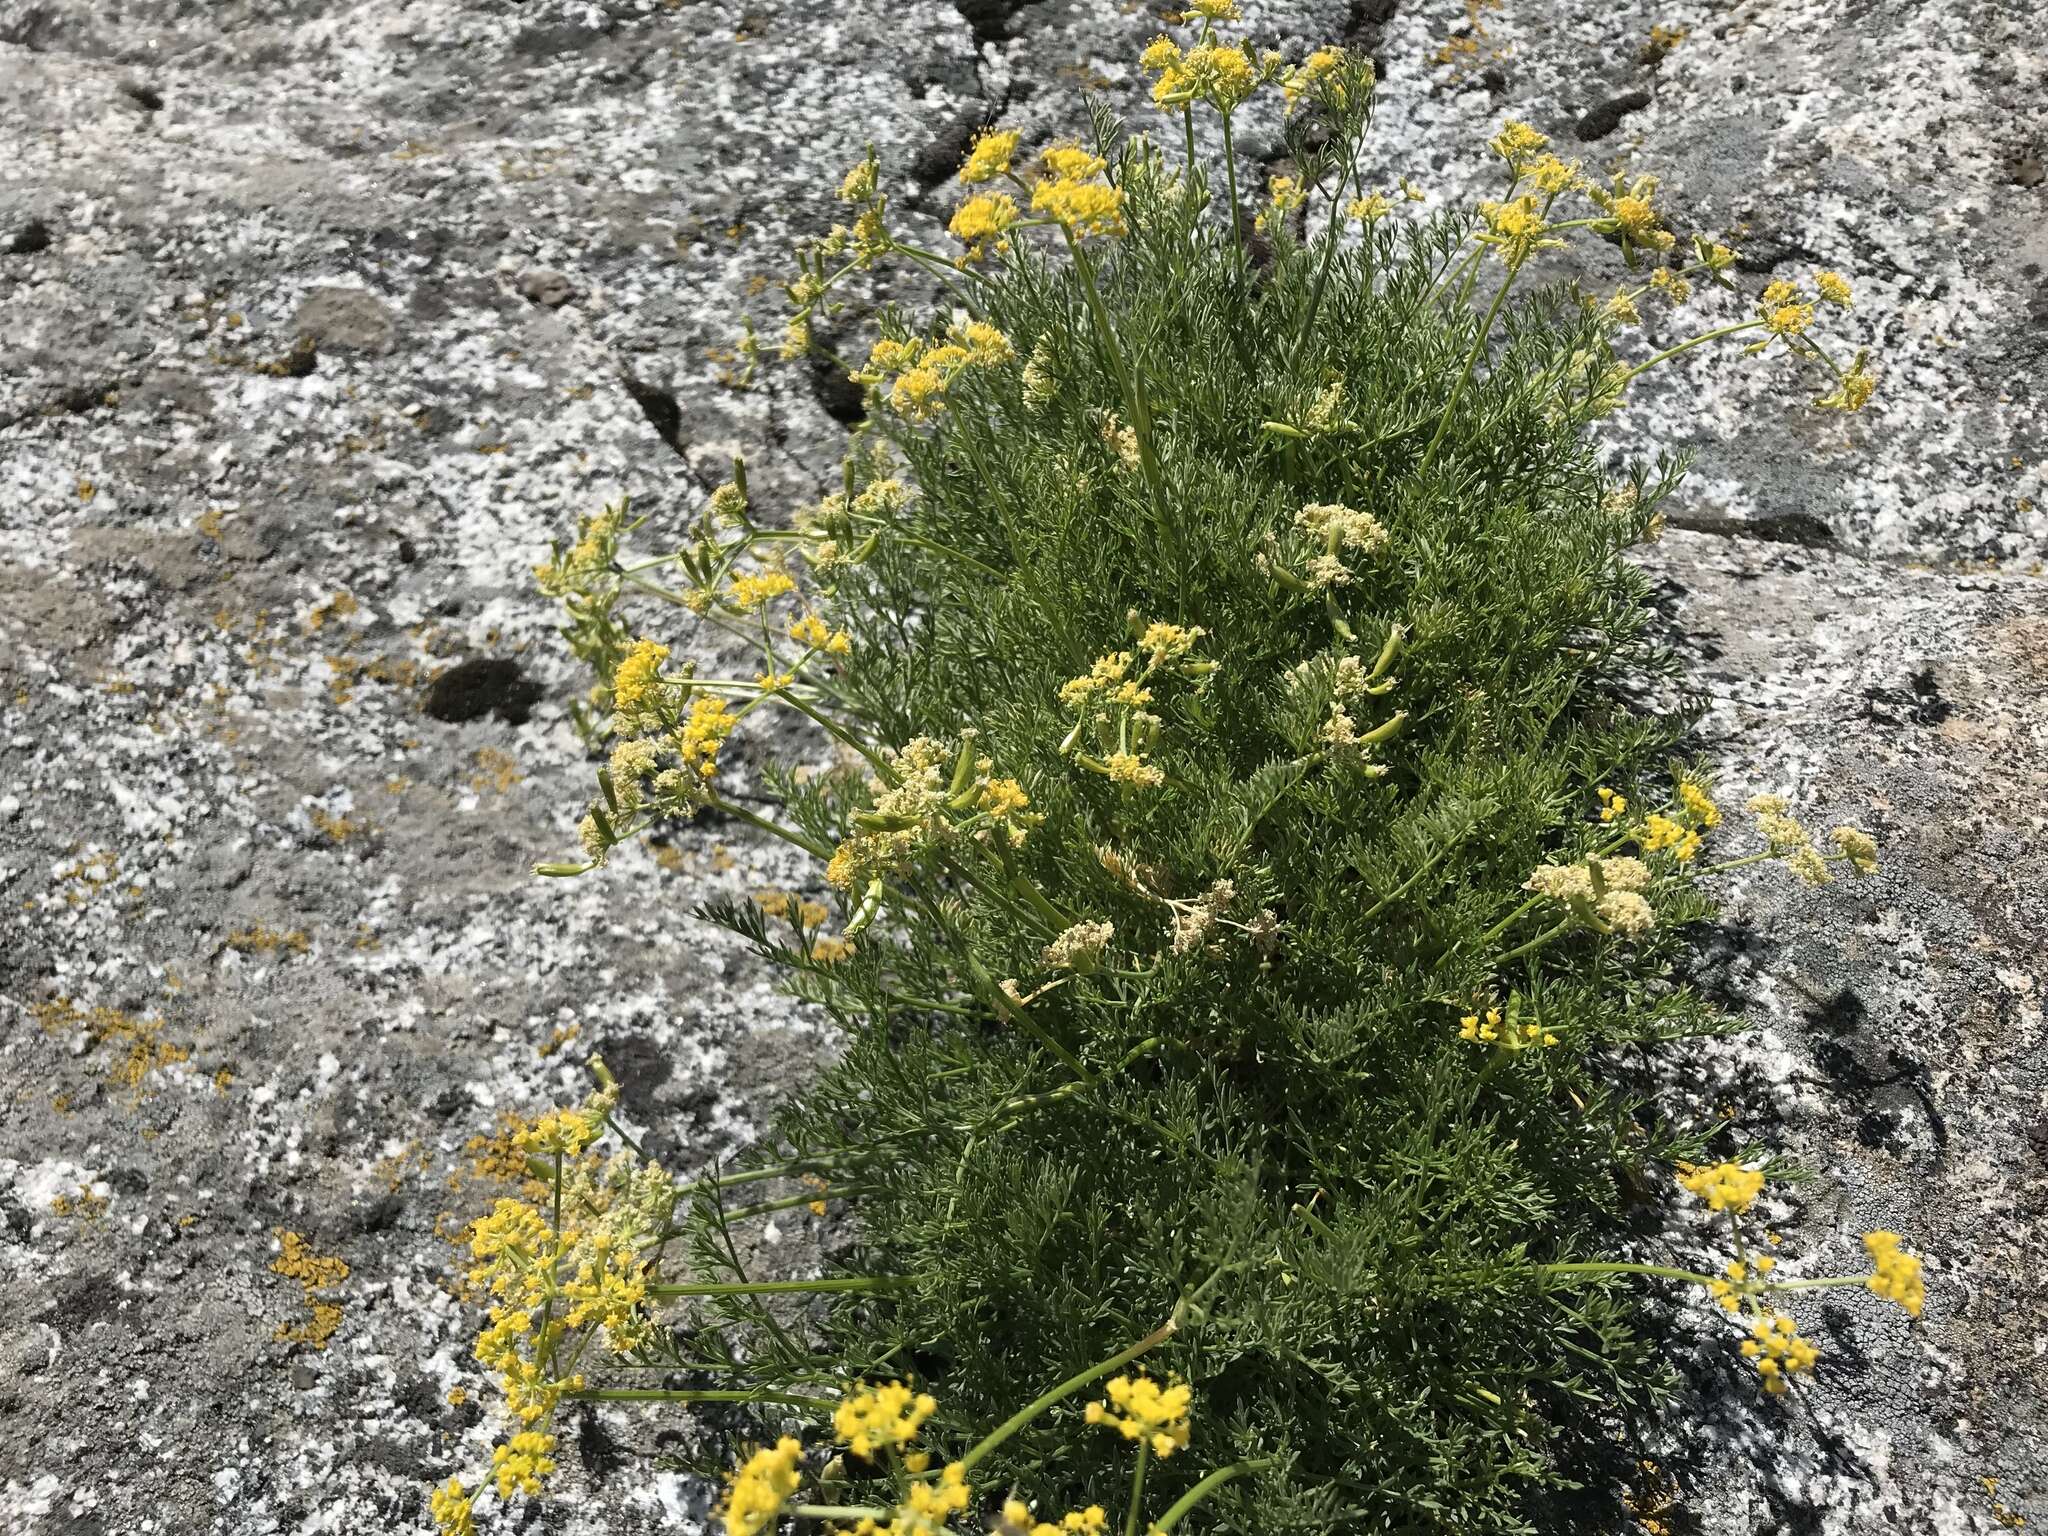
pixel 1743 1280
pixel 1603 893
pixel 907 814
pixel 1518 144
pixel 1613 805
pixel 924 370
pixel 1517 229
pixel 1301 82
pixel 1724 1186
pixel 1079 948
pixel 1074 193
pixel 1779 1351
pixel 1631 216
pixel 597 544
pixel 983 224
pixel 989 158
pixel 452 1509
pixel 756 589
pixel 1017 1521
pixel 760 1488
pixel 636 682
pixel 1223 75
pixel 1896 1275
pixel 1145 1411
pixel 874 1419
pixel 1490 1028
pixel 521 1462
pixel 1661 834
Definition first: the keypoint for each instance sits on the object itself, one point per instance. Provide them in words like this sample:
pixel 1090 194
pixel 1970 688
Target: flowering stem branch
pixel 1138 1476
pixel 1330 241
pixel 1663 1271
pixel 1134 399
pixel 1471 362
pixel 1686 346
pixel 773 828
pixel 838 1512
pixel 700 1395
pixel 824 1286
pixel 1230 173
pixel 1208 1485
pixel 1063 1391
pixel 1536 943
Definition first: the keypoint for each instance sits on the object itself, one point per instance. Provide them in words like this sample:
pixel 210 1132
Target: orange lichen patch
pixel 499 1158
pixel 87 490
pixel 139 1046
pixel 339 606
pixel 393 1169
pixel 563 1034
pixel 351 671
pixel 207 524
pixel 83 1206
pixel 260 939
pixel 496 771
pixel 296 1260
pixel 338 829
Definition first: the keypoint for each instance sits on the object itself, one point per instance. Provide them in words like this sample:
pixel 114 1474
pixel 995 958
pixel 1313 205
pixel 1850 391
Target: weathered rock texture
pixel 320 321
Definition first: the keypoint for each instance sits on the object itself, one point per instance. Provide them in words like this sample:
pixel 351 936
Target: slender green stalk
pixel 1601 1268
pixel 1538 942
pixel 1230 176
pixel 1178 1510
pixel 1062 1392
pixel 1471 362
pixel 1135 401
pixel 775 829
pixel 838 1512
pixel 1685 346
pixel 827 1286
pixel 694 1395
pixel 1137 1489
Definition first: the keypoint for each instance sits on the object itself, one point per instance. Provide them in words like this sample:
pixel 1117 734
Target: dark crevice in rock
pixel 1801 528
pixel 1606 117
pixel 941 157
pixel 1766 253
pixel 661 408
pixel 837 395
pixel 31 237
pixel 1919 702
pixel 144 95
pixel 483 685
pixel 990 20
pixel 1365 30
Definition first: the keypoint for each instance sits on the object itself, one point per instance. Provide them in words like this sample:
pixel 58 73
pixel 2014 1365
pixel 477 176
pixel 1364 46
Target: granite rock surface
pixel 319 322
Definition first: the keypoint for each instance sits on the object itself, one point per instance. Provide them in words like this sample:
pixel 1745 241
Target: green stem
pixel 1409 884
pixel 1538 942
pixel 773 828
pixel 1661 1270
pixel 1230 175
pixel 1208 1485
pixel 1134 401
pixel 840 734
pixel 1138 1482
pixel 1330 240
pixel 1471 362
pixel 838 1512
pixel 1686 346
pixel 703 1395
pixel 1062 1392
pixel 855 1283
pixel 1747 858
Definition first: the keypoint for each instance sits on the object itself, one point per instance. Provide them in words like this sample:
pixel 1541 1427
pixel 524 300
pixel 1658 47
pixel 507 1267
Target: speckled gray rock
pixel 320 322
